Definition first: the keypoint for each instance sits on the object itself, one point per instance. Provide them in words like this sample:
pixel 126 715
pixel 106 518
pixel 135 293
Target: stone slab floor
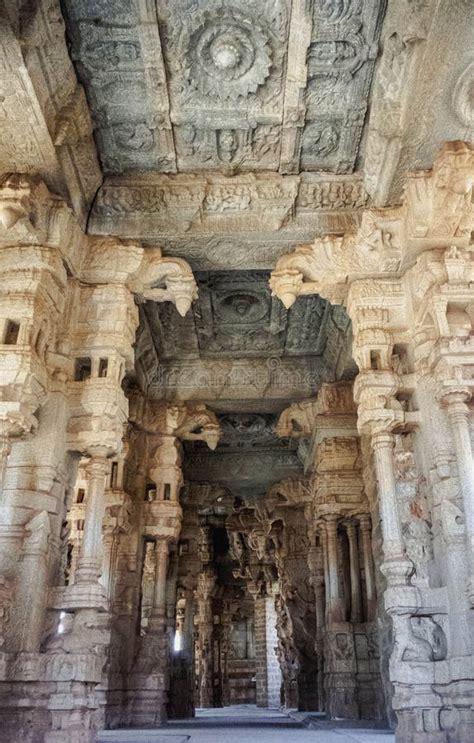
pixel 248 724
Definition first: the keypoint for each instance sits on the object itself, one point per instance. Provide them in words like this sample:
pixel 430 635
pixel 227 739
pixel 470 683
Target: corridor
pixel 250 724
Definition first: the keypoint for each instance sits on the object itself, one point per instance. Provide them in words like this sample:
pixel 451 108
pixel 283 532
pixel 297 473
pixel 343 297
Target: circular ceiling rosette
pixel 228 55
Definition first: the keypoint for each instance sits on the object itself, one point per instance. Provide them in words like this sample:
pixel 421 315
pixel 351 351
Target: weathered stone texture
pixel 236 363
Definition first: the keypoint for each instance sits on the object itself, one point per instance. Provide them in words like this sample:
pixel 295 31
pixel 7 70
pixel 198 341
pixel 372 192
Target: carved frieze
pixel 161 207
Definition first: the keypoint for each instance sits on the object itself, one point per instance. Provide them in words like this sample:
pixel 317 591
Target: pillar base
pixel 52 697
pixel 146 700
pixel 147 684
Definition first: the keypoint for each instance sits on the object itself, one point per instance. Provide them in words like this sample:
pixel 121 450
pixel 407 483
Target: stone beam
pixel 270 382
pixel 156 207
pixel 250 473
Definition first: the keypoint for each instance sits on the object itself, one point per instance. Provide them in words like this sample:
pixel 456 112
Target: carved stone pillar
pixel 351 531
pixel 368 563
pixel 383 443
pixel 205 588
pixel 458 414
pixel 161 568
pixel 324 551
pixel 109 543
pixel 33 584
pixel 339 651
pixel 316 563
pixel 90 558
pixel 335 609
pixel 268 672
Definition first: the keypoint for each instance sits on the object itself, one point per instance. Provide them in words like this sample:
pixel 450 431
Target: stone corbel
pixel 332 261
pixel 185 421
pixel 298 420
pixel 200 424
pixel 165 279
pixel 289 492
pixel 300 273
pixel 438 203
pixel 15 199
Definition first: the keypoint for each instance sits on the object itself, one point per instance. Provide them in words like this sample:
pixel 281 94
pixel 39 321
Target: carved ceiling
pixel 249 458
pixel 235 315
pixel 180 85
pixel 236 318
pixel 228 133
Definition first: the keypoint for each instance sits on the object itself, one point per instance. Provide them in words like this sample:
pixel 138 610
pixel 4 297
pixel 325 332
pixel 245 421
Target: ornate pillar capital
pixel 382 439
pixel 455 400
pixel 98 464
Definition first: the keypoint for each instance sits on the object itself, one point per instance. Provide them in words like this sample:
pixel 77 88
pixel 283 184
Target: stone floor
pixel 248 724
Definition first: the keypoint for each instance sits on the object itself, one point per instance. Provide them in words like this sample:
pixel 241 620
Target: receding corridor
pixel 250 724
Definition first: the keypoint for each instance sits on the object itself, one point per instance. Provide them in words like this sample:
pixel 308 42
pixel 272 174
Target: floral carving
pixel 227 57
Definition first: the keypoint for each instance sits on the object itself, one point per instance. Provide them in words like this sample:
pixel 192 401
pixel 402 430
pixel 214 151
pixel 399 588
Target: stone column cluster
pixel 339 557
pixel 67 324
pixel 405 278
pixel 91 547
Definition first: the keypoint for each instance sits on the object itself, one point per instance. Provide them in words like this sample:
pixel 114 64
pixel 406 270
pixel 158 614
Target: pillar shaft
pixel 268 675
pixel 90 559
pixel 393 545
pixel 336 609
pixel 356 613
pixel 458 414
pixel 366 539
pixel 161 569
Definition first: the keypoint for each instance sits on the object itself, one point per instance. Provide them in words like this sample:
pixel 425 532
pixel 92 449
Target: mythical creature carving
pixel 306 270
pixel 417 639
pixel 185 421
pixel 297 420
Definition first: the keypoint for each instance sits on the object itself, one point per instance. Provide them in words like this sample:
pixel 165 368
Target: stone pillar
pixel 351 531
pixel 339 651
pixel 383 443
pixel 33 583
pixel 368 563
pixel 205 588
pixel 161 568
pixel 324 551
pixel 335 608
pixel 90 557
pixel 268 673
pixel 458 414
pixel 273 666
pixel 109 541
pixel 148 682
pixel 316 565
